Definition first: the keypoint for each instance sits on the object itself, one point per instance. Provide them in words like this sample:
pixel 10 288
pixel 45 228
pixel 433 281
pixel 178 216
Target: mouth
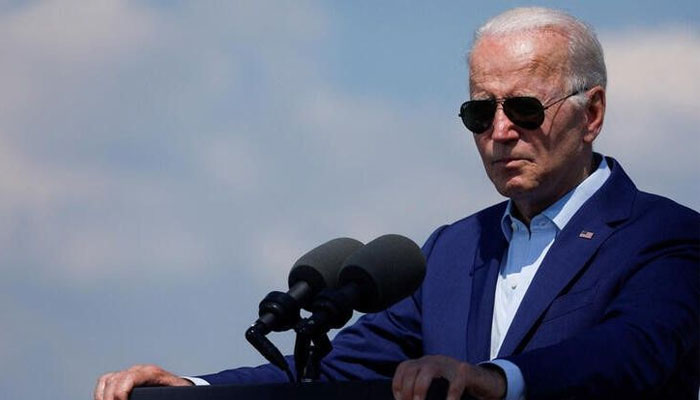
pixel 510 161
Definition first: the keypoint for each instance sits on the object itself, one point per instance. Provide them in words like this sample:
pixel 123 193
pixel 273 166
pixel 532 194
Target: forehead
pixel 518 61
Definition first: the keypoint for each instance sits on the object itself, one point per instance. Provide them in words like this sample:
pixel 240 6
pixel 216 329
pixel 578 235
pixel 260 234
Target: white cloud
pixel 71 30
pixel 116 131
pixel 48 44
pixel 655 65
pixel 652 118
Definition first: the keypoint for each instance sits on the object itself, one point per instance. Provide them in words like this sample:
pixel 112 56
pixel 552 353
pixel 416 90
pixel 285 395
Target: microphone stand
pixel 332 308
pixel 308 353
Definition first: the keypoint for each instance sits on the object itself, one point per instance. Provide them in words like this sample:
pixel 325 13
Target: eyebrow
pixel 539 64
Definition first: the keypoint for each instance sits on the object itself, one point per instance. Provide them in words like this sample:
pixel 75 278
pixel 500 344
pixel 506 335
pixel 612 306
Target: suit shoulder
pixel 487 219
pixel 662 210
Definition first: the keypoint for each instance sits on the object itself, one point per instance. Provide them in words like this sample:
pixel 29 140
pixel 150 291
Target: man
pixel 579 286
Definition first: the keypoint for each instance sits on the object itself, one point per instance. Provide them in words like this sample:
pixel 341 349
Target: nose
pixel 503 128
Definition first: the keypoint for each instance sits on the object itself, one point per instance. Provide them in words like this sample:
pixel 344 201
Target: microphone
pixel 373 278
pixel 311 273
pixel 278 311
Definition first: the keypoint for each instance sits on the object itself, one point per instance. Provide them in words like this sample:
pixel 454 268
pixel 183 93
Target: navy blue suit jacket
pixel 614 315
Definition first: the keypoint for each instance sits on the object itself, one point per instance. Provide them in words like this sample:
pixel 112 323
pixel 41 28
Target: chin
pixel 514 188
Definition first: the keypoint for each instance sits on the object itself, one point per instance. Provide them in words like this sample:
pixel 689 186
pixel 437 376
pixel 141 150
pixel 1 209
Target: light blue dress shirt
pixel 527 247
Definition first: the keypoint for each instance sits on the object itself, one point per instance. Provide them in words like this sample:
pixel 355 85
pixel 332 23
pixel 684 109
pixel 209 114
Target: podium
pixel 355 390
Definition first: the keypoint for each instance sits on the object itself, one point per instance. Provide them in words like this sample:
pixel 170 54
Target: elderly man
pixel 579 286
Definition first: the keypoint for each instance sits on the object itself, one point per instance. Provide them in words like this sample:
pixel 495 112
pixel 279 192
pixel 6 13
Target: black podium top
pixel 368 390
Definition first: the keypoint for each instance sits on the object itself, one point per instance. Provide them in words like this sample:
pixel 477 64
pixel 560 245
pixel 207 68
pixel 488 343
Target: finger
pixel 424 379
pixel 399 377
pixel 100 387
pixel 458 382
pixel 123 387
pixel 455 391
pixel 408 381
pixel 397 380
pixel 109 387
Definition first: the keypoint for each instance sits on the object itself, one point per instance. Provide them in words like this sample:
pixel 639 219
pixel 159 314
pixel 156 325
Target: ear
pixel 595 113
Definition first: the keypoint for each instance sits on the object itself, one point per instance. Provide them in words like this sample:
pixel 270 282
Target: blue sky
pixel 162 164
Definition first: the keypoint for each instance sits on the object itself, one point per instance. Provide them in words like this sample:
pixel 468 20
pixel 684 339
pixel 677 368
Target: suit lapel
pixel 487 262
pixel 570 252
pixel 565 258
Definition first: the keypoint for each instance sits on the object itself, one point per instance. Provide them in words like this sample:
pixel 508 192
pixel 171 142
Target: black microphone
pixel 373 278
pixel 313 272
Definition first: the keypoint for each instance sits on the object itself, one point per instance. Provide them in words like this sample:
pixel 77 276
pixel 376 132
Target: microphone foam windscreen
pixel 386 269
pixel 319 267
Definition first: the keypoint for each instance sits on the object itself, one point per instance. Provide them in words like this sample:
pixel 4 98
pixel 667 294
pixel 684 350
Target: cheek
pixel 482 145
pixel 565 150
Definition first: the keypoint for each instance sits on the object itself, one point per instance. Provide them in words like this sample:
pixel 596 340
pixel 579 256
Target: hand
pixel 413 378
pixel 118 385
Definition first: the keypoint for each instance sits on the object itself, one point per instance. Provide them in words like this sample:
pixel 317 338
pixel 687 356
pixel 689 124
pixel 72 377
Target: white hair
pixel 586 64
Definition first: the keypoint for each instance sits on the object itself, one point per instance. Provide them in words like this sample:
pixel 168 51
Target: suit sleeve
pixel 648 333
pixel 371 348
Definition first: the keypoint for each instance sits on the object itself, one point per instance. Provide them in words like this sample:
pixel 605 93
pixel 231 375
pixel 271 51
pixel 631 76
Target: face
pixel 532 167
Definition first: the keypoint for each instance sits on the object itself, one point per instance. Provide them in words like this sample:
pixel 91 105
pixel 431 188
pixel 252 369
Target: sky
pixel 163 164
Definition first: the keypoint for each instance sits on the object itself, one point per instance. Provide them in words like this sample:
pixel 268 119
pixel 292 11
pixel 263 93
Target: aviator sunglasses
pixel 525 112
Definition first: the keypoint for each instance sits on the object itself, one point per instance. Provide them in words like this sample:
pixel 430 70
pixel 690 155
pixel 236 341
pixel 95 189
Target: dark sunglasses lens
pixel 526 112
pixel 477 115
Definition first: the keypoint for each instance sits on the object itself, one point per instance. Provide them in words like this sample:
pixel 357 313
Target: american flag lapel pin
pixel 586 235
